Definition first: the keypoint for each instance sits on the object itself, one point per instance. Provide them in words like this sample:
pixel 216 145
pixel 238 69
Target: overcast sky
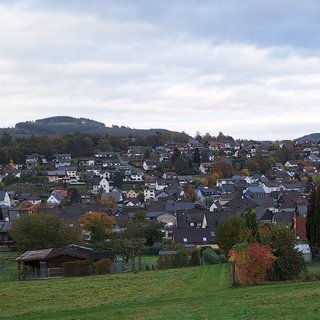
pixel 248 68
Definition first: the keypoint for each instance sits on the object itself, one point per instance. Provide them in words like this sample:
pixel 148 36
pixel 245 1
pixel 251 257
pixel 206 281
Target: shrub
pixel 252 261
pixel 195 257
pixel 211 257
pixel 77 268
pixel 147 267
pixel 179 260
pixel 103 266
pixel 288 266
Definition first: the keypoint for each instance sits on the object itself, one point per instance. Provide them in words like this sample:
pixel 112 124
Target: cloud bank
pixel 250 69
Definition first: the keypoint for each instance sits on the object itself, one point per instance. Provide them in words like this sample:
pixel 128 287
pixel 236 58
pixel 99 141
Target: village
pixel 187 188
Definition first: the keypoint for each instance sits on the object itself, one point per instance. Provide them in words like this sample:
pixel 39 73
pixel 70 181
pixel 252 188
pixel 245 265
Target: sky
pixel 248 68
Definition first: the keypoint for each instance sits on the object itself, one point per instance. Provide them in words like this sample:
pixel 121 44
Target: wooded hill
pixel 68 125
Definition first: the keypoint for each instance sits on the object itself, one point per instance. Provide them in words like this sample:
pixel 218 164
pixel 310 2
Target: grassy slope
pixel 193 293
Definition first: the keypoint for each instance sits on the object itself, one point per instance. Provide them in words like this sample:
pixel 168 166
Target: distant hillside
pixel 68 125
pixel 313 137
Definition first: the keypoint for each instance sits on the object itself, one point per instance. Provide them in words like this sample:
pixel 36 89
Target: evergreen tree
pixel 313 221
pixel 196 156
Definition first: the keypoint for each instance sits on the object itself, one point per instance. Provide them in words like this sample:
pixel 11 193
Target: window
pixel 185 239
pixel 191 224
pixel 204 239
pixel 212 234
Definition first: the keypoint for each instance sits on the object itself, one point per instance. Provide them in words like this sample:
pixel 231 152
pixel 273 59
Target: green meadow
pixel 188 293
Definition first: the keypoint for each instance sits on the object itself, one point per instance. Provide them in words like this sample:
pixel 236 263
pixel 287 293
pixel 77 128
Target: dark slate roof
pixel 264 214
pixel 80 252
pixel 284 217
pixel 255 192
pixel 194 236
pixel 227 188
pixel 70 250
pixel 240 202
pixel 2 195
pixel 266 202
pixel 69 213
pixel 173 206
pixel 216 218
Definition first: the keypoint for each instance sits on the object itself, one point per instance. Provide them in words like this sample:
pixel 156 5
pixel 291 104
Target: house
pixel 193 218
pixel 206 192
pixel 110 163
pixel 161 195
pixel 255 192
pixel 291 164
pixel 50 262
pixel 55 199
pixel 314 158
pixel 310 170
pixel 191 237
pixel 205 167
pixel 104 185
pixel 149 194
pixel 71 172
pixel 169 221
pixel 272 186
pixel 115 194
pixel 57 175
pixel 86 161
pixel 104 154
pixel 7 217
pixel 132 194
pixel 150 164
pixel 62 160
pixel 136 153
pixel 161 184
pixel 34 159
pixel 35 200
pixel 184 180
pixel 4 198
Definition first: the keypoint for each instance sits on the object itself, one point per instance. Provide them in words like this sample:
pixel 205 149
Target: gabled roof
pixel 173 206
pixel 71 250
pixel 194 236
pixel 2 195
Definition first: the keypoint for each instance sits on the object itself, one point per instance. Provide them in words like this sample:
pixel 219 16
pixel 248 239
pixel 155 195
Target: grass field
pixel 191 293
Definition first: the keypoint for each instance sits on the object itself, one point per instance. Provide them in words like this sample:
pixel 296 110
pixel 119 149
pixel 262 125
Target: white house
pixel 104 185
pixel 4 199
pixel 149 194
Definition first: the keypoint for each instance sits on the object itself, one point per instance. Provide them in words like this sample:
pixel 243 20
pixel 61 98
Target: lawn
pixel 145 260
pixel 191 293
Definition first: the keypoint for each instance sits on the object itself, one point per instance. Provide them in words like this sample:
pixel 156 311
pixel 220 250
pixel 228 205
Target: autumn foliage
pixel 252 261
pixel 99 224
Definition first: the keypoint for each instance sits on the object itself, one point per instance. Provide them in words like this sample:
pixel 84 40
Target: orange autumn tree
pixel 252 261
pixel 98 224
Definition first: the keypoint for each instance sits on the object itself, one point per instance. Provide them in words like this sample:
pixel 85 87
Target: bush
pixel 179 260
pixel 147 267
pixel 252 261
pixel 103 266
pixel 211 257
pixel 195 257
pixel 77 268
pixel 288 266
